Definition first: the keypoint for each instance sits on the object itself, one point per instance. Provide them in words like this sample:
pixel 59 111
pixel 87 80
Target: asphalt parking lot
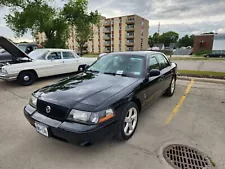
pixel 194 116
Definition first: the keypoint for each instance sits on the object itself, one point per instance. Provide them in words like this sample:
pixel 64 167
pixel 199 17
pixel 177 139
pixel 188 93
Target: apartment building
pixel 125 33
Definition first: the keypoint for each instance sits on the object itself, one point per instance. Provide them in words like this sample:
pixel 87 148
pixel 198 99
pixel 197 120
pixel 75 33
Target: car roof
pixel 139 53
pixel 33 44
pixel 55 49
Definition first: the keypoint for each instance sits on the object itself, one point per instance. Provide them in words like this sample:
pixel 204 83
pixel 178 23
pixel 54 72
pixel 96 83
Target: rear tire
pixel 26 78
pixel 128 122
pixel 171 89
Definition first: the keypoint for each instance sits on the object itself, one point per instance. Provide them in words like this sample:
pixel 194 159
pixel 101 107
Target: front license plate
pixel 41 129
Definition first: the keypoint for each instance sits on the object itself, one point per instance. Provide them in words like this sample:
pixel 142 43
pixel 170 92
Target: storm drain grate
pixel 184 157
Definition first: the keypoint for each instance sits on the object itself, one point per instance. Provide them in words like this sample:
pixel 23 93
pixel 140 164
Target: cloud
pixel 184 17
pixel 221 30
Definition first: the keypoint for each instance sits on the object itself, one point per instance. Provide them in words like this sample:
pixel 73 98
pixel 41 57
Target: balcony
pixel 130 20
pixel 107 23
pixel 106 30
pixel 130 43
pixel 107 43
pixel 130 49
pixel 130 36
pixel 107 50
pixel 106 38
pixel 130 28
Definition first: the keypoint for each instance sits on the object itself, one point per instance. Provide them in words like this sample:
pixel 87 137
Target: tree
pixel 76 13
pixel 153 39
pixel 186 41
pixel 10 3
pixel 168 37
pixel 37 16
pixel 208 33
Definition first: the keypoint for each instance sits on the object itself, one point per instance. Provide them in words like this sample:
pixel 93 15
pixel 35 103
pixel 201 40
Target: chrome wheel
pixel 26 78
pixel 130 121
pixel 172 88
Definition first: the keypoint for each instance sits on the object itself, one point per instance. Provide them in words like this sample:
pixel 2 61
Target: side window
pixel 35 47
pixel 162 61
pixel 68 55
pixel 29 49
pixel 54 56
pixel 153 63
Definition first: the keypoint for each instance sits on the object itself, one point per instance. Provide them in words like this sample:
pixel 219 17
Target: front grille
pixel 57 112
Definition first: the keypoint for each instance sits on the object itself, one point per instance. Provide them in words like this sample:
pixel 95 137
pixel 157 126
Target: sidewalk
pixel 201 65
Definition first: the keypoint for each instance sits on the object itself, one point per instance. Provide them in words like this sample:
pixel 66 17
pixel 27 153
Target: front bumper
pixel 8 77
pixel 69 131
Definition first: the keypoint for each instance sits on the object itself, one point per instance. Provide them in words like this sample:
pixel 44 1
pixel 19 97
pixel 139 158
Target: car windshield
pixel 119 64
pixel 38 54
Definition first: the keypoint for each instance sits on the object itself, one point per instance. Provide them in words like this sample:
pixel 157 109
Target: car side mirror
pixel 153 72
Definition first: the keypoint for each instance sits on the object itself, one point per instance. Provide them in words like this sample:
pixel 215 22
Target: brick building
pixel 203 43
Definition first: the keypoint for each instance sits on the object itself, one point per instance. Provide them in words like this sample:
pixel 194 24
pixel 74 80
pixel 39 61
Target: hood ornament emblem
pixel 48 109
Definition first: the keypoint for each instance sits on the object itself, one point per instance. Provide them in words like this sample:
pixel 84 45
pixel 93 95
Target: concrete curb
pixel 207 80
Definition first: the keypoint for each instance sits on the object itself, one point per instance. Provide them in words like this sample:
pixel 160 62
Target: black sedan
pixel 215 55
pixel 105 99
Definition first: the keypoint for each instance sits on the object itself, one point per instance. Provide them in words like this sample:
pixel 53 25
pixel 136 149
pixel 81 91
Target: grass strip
pixel 206 74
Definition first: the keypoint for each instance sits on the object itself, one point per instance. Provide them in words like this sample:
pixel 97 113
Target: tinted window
pixel 153 63
pixel 68 55
pixel 163 63
pixel 54 56
pixel 35 47
pixel 22 47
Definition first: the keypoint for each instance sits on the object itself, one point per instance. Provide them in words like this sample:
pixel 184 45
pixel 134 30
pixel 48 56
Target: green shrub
pixel 203 52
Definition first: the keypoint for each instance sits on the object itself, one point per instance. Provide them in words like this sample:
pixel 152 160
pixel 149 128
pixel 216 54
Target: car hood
pixel 12 49
pixel 85 88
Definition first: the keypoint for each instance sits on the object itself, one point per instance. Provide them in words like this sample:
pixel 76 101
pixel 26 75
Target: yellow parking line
pixel 179 104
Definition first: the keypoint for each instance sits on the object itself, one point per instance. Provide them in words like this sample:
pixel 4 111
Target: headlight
pixel 4 71
pixel 90 117
pixel 33 101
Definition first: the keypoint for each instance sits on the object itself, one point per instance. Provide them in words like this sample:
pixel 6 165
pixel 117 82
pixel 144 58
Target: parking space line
pixel 179 104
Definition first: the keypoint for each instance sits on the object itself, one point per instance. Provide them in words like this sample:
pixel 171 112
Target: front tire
pixel 171 89
pixel 128 122
pixel 81 68
pixel 26 78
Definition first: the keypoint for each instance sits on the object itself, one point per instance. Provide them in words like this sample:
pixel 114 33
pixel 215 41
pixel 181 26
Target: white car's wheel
pixel 26 78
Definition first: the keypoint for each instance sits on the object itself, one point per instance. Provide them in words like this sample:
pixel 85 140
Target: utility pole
pixel 158 31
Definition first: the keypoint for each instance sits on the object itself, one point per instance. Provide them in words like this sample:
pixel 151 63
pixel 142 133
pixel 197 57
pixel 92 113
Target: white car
pixel 41 63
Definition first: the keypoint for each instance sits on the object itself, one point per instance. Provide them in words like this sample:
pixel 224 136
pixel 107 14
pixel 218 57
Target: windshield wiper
pixel 93 71
pixel 114 74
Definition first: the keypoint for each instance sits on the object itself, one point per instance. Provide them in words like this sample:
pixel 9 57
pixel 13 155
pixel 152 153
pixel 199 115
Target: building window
pixel 130 26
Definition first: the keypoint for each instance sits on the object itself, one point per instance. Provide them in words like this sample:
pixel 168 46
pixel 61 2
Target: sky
pixel 185 17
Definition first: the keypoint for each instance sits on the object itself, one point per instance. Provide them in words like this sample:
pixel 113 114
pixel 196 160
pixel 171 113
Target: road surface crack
pixel 16 94
pixel 141 149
